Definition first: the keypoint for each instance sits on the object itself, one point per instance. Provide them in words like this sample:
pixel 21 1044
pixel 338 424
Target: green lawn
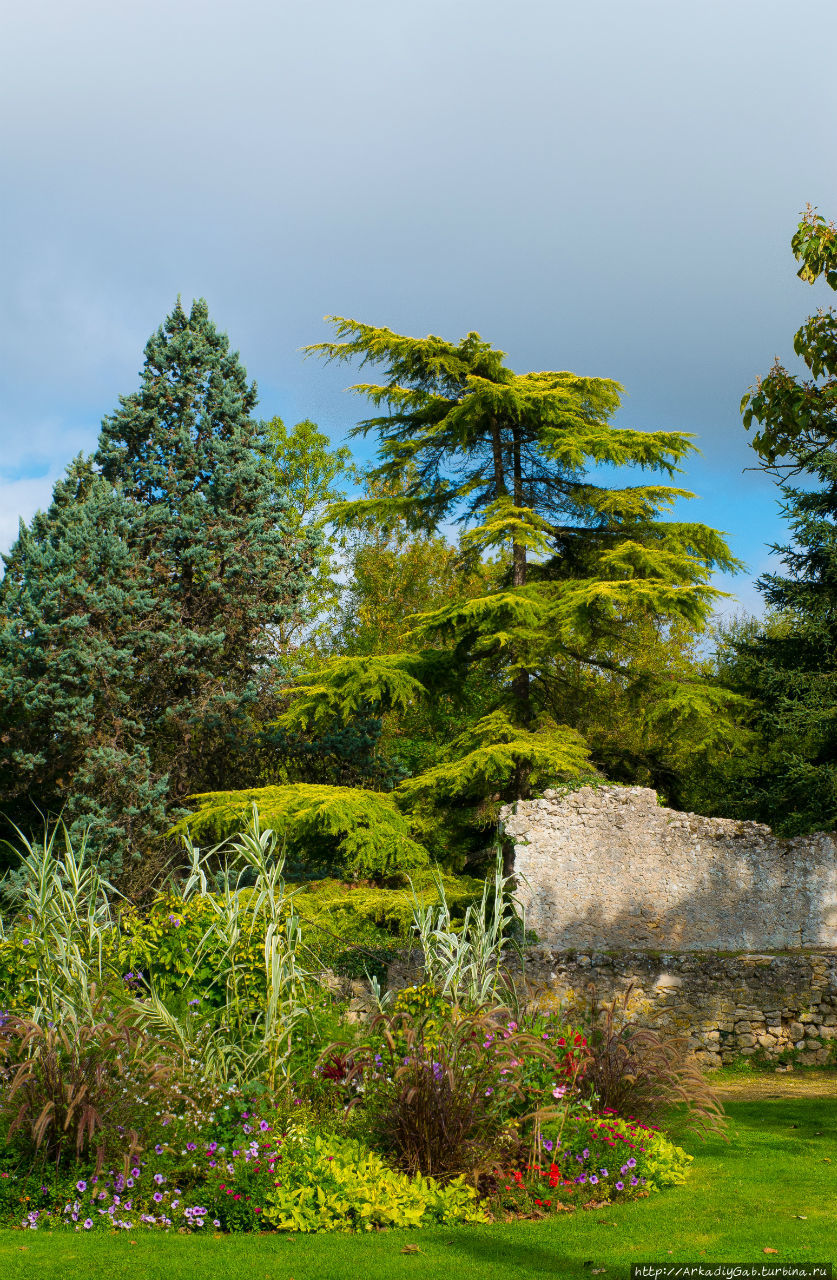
pixel 781 1162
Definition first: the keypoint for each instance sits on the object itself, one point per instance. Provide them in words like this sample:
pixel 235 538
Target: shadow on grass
pixel 519 1258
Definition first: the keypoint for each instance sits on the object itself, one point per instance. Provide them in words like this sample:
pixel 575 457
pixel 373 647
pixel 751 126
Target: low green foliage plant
pixel 332 1185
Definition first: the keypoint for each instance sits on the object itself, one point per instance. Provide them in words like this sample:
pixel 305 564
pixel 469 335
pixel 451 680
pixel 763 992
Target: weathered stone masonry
pixel 610 868
pixel 781 1006
pixel 721 930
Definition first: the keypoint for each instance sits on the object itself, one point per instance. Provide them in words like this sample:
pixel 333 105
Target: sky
pixel 608 187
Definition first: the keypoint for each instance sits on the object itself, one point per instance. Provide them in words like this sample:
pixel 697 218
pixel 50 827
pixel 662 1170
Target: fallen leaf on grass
pixel 826 1160
pixel 770 1250
pixel 411 1248
pixel 803 1216
pixel 598 1271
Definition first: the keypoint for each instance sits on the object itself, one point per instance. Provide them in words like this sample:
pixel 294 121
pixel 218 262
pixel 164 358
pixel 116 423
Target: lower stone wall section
pixel 780 1006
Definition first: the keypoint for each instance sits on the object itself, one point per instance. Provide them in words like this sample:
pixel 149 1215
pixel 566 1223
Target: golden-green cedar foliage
pixel 369 834
pixel 582 567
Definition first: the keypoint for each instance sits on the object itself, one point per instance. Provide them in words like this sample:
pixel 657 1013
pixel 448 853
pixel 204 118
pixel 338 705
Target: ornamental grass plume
pixel 445 1095
pixel 632 1071
pixel 65 1085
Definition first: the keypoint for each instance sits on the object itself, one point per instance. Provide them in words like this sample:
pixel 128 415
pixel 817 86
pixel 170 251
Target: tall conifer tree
pixel 789 666
pixel 77 637
pixel 464 438
pixel 209 565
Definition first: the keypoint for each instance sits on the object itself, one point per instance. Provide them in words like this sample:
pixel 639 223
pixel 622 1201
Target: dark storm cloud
pixel 607 187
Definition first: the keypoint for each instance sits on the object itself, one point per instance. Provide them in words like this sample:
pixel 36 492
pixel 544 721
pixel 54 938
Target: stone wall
pixel 783 1007
pixel 609 868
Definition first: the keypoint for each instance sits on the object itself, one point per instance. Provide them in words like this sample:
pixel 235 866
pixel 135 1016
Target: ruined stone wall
pixel 782 1007
pixel 609 868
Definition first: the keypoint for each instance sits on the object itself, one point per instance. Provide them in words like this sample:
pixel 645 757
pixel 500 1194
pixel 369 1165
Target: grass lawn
pixel 774 1186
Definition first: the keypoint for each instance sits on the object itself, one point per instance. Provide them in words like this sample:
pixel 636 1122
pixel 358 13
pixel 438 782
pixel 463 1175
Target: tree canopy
pixel 581 566
pixel 787 665
pixel 135 614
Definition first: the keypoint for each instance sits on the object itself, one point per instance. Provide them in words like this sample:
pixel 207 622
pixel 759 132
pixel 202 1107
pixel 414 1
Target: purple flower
pixel 135 1173
pixel 159 1149
pixel 264 1126
pixel 585 1153
pixel 88 1223
pixel 81 1185
pixel 157 1197
pixel 547 1145
pixel 620 1186
pixel 604 1173
pixel 159 1179
pixel 246 1128
pixel 631 1163
pixel 25 942
pixel 634 1182
pixel 130 1182
pixel 191 1146
pixel 593 1179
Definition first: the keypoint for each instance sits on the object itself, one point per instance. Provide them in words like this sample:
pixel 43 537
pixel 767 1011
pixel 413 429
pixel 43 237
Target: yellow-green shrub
pixel 337 1185
pixel 19 960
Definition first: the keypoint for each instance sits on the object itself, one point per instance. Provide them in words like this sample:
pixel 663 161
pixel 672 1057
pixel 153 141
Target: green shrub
pixel 444 1092
pixel 664 1163
pixel 637 1156
pixel 20 956
pixel 332 1185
